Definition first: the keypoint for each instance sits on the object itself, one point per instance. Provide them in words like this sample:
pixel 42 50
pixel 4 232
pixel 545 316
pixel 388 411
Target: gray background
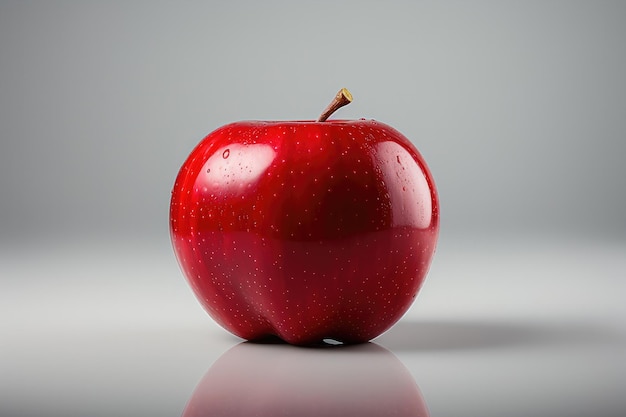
pixel 518 107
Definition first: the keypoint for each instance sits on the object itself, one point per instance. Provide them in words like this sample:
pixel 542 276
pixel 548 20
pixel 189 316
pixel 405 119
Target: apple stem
pixel 342 98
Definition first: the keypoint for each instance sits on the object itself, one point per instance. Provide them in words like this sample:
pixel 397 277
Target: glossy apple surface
pixel 282 380
pixel 305 230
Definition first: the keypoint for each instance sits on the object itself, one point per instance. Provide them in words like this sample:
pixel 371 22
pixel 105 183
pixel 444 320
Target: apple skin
pixel 254 379
pixel 305 230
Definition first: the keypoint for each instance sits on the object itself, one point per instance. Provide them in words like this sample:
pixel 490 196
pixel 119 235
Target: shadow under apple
pixel 276 379
pixel 441 335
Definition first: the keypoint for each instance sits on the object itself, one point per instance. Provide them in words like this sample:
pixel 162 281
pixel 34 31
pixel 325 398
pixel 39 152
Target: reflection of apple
pixel 282 380
pixel 305 230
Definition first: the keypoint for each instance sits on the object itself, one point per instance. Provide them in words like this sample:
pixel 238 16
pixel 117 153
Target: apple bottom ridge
pixel 349 290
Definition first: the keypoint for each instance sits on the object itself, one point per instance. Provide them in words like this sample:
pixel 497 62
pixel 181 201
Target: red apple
pixel 306 230
pixel 281 380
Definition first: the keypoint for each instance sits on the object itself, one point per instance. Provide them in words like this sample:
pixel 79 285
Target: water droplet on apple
pixel 226 153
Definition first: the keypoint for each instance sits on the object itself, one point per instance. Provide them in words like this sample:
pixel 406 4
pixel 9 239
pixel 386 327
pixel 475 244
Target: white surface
pixel 505 326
